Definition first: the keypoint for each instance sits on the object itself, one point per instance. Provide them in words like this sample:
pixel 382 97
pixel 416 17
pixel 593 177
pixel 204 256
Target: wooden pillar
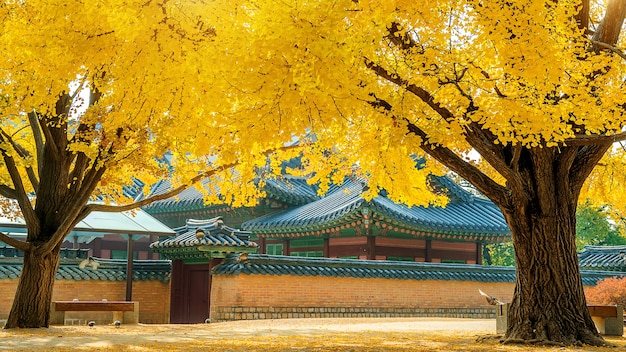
pixel 326 249
pixel 262 245
pixel 129 269
pixel 479 253
pixel 286 249
pixel 371 247
pixel 428 251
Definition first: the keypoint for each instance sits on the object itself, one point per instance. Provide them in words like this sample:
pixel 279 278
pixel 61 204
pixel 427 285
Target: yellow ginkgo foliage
pixel 94 93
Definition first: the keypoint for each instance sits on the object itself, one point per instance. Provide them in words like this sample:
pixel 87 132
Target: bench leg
pixel 118 316
pixel 56 318
pixel 132 317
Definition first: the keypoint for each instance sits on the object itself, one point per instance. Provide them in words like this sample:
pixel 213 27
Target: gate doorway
pixel 190 293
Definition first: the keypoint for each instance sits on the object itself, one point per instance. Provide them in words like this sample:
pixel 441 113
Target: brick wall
pixel 236 297
pixel 153 298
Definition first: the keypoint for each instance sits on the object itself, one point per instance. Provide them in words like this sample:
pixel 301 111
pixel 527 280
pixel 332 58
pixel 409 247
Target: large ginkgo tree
pixel 522 98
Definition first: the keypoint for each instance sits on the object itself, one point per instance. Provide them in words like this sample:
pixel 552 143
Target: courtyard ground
pixel 362 334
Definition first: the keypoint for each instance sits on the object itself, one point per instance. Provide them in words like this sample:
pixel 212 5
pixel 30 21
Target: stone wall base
pixel 252 313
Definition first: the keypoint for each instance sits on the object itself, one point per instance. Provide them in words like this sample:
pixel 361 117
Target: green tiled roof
pixel 290 190
pixel 286 189
pixel 106 269
pixel 466 217
pixel 217 241
pixel 611 258
pixel 299 266
pixel 188 200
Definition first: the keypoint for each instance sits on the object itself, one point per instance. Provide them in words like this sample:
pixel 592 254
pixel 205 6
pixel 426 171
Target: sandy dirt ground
pixel 110 338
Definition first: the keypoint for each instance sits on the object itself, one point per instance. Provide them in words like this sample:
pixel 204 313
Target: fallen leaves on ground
pixel 220 337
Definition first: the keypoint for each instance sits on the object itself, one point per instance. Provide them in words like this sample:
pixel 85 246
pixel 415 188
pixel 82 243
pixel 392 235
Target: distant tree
pixel 608 291
pixel 594 227
pixel 499 254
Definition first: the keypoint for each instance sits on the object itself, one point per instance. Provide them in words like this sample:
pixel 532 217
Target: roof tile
pixel 300 266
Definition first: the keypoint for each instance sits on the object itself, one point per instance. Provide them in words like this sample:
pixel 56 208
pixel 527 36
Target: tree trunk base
pixel 31 307
pixel 579 338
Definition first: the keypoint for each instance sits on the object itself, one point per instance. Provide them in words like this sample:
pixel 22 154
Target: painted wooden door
pixel 197 294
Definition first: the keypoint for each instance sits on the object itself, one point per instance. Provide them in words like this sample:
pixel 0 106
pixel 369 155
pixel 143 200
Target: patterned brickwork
pixel 252 313
pixel 245 297
pixel 235 297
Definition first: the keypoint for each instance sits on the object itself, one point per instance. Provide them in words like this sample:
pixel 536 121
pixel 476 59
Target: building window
pixel 119 254
pixel 453 261
pixel 400 259
pixel 274 249
pixel 315 254
pixel 308 242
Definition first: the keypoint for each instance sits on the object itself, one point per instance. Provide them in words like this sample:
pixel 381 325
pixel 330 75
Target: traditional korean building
pixel 294 220
pixel 344 225
pixel 609 258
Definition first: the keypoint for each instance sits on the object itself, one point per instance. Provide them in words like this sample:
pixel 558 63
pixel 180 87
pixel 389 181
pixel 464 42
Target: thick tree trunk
pixel 31 307
pixel 548 305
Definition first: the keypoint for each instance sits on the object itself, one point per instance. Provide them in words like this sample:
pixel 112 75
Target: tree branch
pixel 485 184
pixel 20 192
pixel 179 189
pixel 582 18
pixel 479 139
pixel 585 161
pixel 21 245
pixel 583 139
pixel 610 47
pixel 450 159
pixel 609 29
pixel 8 192
pixel 38 137
pixel 24 154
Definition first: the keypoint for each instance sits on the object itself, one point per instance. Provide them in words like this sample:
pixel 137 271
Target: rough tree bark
pixel 549 303
pixel 31 307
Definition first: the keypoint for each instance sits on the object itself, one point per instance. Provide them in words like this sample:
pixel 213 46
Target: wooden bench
pixel 125 312
pixel 609 320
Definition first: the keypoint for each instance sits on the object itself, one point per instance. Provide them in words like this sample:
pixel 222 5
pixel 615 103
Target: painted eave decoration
pixel 466 217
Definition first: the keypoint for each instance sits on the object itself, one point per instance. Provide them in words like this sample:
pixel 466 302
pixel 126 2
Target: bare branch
pixel 21 245
pixel 20 191
pixel 24 154
pixel 8 192
pixel 610 47
pixel 579 140
pixel 179 189
pixel 38 137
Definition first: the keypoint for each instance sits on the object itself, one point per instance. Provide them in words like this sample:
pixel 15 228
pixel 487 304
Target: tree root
pixel 589 341
pixel 534 342
pixel 485 338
